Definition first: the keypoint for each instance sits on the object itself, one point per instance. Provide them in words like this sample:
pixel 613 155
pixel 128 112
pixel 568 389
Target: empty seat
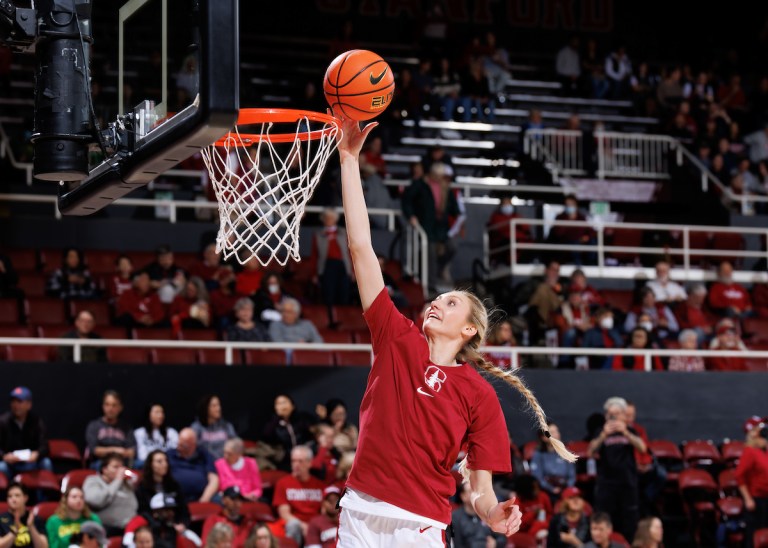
pixel 100 310
pixel 312 357
pixel 265 357
pixel 198 511
pixel 699 239
pixel 728 241
pixel 363 336
pixel 100 261
pixel 259 511
pixel 76 478
pixel 32 284
pixel 44 510
pixel 17 331
pixel 270 477
pixel 127 355
pixel 317 314
pixel 46 311
pixel 731 451
pixel 413 292
pixel 199 335
pixel 19 353
pixel 342 336
pixel 216 356
pixel 64 450
pixel 39 480
pixel 112 332
pixel 669 455
pixel 626 237
pixel 174 356
pixel 53 331
pixel 9 312
pixel 353 358
pixel 23 259
pixel 700 453
pixel 726 481
pixel 154 333
pixel 756 329
pixel 618 298
pixel 350 317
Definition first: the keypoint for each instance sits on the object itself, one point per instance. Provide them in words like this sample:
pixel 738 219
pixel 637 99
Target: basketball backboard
pixel 169 71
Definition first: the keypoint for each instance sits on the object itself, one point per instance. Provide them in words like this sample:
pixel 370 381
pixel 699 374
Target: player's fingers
pixel 368 128
pixel 508 503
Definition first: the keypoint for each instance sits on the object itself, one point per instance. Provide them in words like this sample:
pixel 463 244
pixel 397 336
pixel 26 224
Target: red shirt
pixel 119 285
pixel 416 416
pixel 304 497
pixel 241 528
pixel 248 281
pixel 724 296
pixel 753 471
pixel 530 509
pixel 638 363
pixel 690 317
pixel 322 532
pixel 136 305
pixel 643 460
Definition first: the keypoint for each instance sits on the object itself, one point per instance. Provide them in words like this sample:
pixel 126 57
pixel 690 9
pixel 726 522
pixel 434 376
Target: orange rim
pixel 254 116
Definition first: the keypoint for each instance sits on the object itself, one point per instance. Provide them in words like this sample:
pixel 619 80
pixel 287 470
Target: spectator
pixel 223 299
pixel 66 521
pixel 664 289
pixel 429 203
pixel 72 280
pixel 220 536
pixel 244 328
pixel 573 321
pixel 568 66
pixel 262 537
pixel 298 497
pixel 142 538
pixel 650 534
pixel 502 335
pixel 19 527
pixel 752 476
pixel 643 84
pixel 334 413
pixel 693 315
pixel 727 338
pixel 157 479
pixel 728 298
pixel 639 339
pixel 91 535
pixel 231 515
pixel 160 520
pixel 330 255
pixel 84 324
pixel 446 89
pixel 192 307
pixel 122 280
pixel 758 145
pixel 553 473
pixel 569 527
pixel 326 455
pixel 372 157
pixel 468 529
pixel 236 470
pixel 618 69
pixel 670 92
pixel 269 299
pixel 210 268
pixel 689 340
pixel 496 65
pixel 292 329
pixel 731 96
pixel 594 82
pixel 321 530
pixel 192 467
pixel 664 322
pixel 109 434
pixel 165 277
pixel 8 278
pixel 545 302
pixel 343 468
pixel 110 494
pixel 248 281
pixel 288 428
pixel 616 490
pixel 140 305
pixel 601 335
pixel 601 529
pixel 535 506
pixel 573 235
pixel 210 427
pixel 23 440
pixel 500 231
pixel 154 435
pixel 652 476
pixel 589 295
pixel 476 93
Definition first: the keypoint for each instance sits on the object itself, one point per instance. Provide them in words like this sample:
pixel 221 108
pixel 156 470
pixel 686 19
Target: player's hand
pixel 352 137
pixel 505 518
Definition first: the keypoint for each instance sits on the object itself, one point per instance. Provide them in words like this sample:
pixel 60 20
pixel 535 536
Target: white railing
pixel 633 155
pixel 417 255
pixel 605 270
pixel 229 347
pixel 561 150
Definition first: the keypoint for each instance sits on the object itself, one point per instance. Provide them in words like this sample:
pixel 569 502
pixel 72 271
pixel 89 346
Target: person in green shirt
pixel 66 521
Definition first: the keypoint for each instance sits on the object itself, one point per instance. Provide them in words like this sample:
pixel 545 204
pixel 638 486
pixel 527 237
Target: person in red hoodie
pixel 249 280
pixel 140 305
pixel 726 297
pixel 535 506
pixel 693 313
pixel 638 339
pixel 231 514
pixel 752 476
pixel 726 339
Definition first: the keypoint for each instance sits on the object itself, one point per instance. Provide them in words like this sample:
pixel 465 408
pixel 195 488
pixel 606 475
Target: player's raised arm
pixel 370 282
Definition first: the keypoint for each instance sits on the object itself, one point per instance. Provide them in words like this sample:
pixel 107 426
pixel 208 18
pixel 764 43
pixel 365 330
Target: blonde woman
pixel 425 401
pixel 66 520
pixel 650 534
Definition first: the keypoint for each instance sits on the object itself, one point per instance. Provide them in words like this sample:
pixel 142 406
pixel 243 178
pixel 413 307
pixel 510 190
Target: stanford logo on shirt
pixel 435 377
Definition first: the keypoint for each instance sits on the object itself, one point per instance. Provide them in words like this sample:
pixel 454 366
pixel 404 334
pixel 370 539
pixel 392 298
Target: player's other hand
pixel 505 518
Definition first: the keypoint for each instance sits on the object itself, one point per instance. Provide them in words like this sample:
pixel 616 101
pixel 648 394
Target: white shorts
pixel 359 530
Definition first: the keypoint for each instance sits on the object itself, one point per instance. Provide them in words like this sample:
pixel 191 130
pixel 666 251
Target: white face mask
pixel 607 323
pixel 507 209
pixel 274 289
pixel 648 326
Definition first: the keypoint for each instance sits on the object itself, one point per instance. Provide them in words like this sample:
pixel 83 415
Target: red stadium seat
pixel 287 543
pixel 728 241
pixel 394 268
pixel 344 336
pixel 700 453
pixel 669 455
pixel 317 314
pixel 53 331
pixel 33 284
pixel 174 356
pixel 265 357
pixel 413 292
pixel 618 298
pixel 3 504
pixel 755 329
pixel 626 237
pixel 112 332
pixel 259 511
pixel 730 506
pixel 199 335
pixel 40 480
pixel 699 493
pixel 522 540
pixel 9 312
pixel 101 262
pixel 17 331
pixel 185 260
pixel 529 449
pixel 363 336
pixel 44 510
pixel 312 357
pixel 198 511
pixel 353 358
pixel 127 355
pixel 731 452
pixel 65 450
pixel 154 334
pixel 46 311
pixel 761 538
pixel 727 483
pixel 76 478
pixel 702 240
pixel 216 356
pixel 102 314
pixel 23 260
pixel 18 353
pixel 270 477
pixel 115 542
pixel 350 317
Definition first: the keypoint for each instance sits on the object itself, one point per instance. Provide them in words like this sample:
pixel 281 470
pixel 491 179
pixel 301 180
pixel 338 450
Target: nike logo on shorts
pixel 423 392
pixel 422 529
pixel 376 79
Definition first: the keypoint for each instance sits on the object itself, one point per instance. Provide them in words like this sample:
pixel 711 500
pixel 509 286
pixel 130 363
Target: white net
pixel 263 181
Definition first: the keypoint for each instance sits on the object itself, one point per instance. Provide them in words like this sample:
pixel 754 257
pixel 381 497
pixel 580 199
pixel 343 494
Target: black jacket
pixel 31 435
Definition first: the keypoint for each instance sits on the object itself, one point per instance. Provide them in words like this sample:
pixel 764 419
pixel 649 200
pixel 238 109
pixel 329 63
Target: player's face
pixel 447 315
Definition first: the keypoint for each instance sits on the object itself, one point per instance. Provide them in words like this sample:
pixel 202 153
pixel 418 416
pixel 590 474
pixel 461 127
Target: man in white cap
pixel 321 530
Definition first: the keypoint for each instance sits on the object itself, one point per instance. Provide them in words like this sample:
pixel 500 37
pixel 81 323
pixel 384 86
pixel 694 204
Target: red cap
pixel 754 422
pixel 570 492
pixel 331 490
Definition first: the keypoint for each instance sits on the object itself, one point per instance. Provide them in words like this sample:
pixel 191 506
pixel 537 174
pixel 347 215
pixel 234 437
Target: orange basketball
pixel 359 84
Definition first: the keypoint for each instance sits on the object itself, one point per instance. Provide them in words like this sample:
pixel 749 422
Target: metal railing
pixel 229 347
pixel 602 251
pixel 561 150
pixel 416 262
pixel 633 155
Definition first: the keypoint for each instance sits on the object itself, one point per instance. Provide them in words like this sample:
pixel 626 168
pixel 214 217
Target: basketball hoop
pixel 264 178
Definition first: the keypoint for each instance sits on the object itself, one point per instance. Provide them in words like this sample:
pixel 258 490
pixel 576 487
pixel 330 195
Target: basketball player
pixel 424 402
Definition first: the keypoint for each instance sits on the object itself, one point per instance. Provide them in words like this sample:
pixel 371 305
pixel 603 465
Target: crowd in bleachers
pixel 197 485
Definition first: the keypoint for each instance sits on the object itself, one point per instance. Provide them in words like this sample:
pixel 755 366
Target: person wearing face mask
pixel 602 335
pixel 638 339
pixel 573 235
pixel 269 298
pixel 728 298
pixel 664 289
pixel 664 321
pixel 500 232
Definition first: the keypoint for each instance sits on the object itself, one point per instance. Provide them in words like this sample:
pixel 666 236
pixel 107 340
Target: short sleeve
pixel 488 440
pixel 209 466
pixel 385 321
pixel 279 497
